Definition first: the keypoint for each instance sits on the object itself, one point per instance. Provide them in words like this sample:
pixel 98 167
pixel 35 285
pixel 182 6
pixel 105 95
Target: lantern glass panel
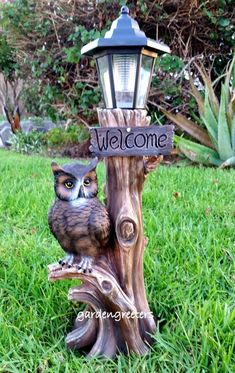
pixel 144 82
pixel 103 65
pixel 124 75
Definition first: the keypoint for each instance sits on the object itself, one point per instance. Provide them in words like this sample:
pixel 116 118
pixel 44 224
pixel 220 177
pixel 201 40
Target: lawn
pixel 189 216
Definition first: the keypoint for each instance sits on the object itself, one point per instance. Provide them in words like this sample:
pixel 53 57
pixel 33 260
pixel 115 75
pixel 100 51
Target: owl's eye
pixel 69 184
pixel 86 182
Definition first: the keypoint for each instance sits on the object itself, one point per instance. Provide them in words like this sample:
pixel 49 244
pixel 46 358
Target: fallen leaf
pixel 177 194
pixel 207 211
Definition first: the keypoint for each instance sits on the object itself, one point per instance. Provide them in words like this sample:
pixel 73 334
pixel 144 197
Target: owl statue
pixel 77 218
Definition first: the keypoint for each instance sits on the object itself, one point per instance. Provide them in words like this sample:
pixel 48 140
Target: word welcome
pixel 131 141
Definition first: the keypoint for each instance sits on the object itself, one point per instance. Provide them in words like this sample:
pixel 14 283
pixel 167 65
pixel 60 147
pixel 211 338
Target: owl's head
pixel 74 180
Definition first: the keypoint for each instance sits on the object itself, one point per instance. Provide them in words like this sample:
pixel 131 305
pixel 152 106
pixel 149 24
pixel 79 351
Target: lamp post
pixel 125 60
pixel 115 288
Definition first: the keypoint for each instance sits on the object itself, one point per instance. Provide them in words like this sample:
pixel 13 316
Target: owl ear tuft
pixel 93 164
pixel 55 168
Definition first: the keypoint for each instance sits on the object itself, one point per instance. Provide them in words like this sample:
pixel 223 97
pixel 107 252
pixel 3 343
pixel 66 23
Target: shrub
pixel 37 142
pixel 27 143
pixel 218 117
pixel 72 135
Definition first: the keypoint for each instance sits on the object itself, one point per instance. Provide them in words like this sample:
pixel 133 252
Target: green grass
pixel 189 273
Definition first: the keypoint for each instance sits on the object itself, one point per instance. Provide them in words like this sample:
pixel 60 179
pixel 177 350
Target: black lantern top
pixel 124 32
pixel 125 61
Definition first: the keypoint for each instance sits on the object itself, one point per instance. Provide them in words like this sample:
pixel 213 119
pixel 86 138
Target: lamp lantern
pixel 125 61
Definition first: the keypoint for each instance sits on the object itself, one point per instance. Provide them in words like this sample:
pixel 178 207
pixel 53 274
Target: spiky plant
pixel 217 139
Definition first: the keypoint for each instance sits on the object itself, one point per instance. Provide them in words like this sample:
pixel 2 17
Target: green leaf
pixel 224 22
pixel 228 77
pixel 197 152
pixel 211 93
pixel 224 139
pixel 190 127
pixel 233 134
pixel 210 120
pixel 230 162
pixel 196 94
pixel 231 109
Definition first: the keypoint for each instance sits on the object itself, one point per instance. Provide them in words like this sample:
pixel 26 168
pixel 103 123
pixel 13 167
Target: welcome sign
pixel 131 141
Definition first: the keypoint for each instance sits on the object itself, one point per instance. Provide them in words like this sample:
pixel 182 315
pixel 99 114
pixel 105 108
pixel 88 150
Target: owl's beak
pixel 81 192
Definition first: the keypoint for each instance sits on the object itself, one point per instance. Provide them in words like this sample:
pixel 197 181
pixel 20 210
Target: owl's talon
pixel 85 265
pixel 89 266
pixel 67 261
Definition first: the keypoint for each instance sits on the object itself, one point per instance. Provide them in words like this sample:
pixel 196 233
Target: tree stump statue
pixel 115 287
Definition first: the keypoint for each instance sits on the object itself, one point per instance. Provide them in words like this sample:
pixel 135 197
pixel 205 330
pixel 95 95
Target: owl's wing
pixel 99 224
pixel 83 227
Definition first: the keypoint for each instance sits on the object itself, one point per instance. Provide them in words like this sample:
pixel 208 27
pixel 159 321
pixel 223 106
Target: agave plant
pixel 217 139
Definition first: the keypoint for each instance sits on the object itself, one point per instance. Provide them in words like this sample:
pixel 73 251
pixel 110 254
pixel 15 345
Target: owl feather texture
pixel 77 219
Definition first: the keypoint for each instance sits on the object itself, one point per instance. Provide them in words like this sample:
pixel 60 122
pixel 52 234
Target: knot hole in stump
pixel 127 232
pixel 106 286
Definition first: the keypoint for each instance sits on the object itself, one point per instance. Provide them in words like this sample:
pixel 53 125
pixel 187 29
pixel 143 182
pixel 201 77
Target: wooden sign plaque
pixel 131 141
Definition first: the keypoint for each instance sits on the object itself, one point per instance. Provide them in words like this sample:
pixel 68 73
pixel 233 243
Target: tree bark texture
pixel 116 283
